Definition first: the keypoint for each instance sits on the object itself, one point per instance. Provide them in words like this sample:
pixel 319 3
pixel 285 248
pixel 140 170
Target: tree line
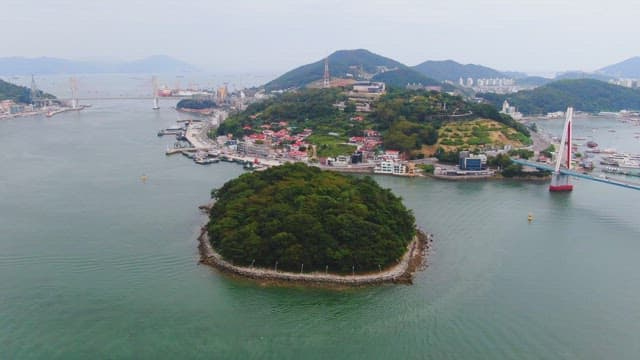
pixel 295 214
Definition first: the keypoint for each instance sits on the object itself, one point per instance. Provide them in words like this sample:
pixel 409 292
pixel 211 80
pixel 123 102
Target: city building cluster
pixel 10 107
pixel 630 83
pixel 494 85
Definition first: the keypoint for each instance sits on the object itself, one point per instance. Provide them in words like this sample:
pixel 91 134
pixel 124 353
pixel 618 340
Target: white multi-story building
pixel 394 168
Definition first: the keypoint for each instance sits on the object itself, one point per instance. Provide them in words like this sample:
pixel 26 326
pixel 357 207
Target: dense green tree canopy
pixel 197 104
pixel 294 214
pixel 306 108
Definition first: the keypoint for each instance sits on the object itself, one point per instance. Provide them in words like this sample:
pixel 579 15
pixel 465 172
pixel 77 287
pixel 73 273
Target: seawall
pixel 413 260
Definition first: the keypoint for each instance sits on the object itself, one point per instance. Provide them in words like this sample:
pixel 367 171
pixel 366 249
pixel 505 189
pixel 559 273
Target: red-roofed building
pixel 281 133
pixel 257 137
pixel 371 145
pixel 297 155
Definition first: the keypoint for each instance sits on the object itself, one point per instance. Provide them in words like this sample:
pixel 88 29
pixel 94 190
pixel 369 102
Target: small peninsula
pixel 298 223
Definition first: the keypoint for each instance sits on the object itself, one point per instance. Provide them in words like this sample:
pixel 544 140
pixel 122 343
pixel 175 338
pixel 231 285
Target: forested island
pixel 196 105
pixel 297 218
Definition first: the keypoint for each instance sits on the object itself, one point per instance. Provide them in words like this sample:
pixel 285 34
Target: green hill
pixel 533 81
pixel 410 119
pixel 356 64
pixel 583 94
pixel 452 71
pixel 17 93
pixel 294 214
pixel 403 76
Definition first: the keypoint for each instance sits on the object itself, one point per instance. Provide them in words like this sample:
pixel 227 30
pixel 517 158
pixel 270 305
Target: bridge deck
pixel 577 174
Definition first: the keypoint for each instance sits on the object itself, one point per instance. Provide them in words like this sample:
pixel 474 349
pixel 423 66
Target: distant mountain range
pixel 50 66
pixel 356 64
pixel 629 68
pixel 584 94
pixel 582 75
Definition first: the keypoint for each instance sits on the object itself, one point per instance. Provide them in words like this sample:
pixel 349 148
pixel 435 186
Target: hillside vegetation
pixel 407 119
pixel 412 119
pixel 306 108
pixel 453 71
pixel 294 214
pixel 476 134
pixel 403 76
pixel 583 94
pixel 19 94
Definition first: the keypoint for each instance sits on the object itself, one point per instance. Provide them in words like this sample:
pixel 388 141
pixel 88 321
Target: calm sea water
pixel 96 264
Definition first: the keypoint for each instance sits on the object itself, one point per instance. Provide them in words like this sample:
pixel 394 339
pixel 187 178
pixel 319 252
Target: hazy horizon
pixel 537 37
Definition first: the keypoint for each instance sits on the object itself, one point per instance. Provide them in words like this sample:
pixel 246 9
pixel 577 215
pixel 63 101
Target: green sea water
pixel 94 263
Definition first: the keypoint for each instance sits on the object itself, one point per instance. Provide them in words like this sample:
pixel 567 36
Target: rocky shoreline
pixel 413 260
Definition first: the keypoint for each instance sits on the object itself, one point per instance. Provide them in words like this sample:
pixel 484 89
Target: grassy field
pixel 331 146
pixel 476 134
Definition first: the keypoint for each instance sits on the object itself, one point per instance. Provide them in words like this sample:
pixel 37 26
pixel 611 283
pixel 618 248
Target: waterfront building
pixel 388 167
pixel 472 162
pixel 340 160
pixel 251 148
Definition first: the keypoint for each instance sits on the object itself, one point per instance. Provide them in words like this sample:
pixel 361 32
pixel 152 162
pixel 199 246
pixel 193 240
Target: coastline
pixel 414 259
pixel 205 112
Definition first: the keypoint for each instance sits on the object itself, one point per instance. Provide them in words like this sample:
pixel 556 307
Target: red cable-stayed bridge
pixel 560 176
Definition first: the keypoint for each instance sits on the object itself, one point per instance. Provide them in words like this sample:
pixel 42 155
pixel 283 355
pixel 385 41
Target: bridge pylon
pixel 560 182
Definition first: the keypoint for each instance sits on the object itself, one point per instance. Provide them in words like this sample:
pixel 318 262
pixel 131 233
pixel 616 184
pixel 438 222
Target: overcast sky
pixel 274 35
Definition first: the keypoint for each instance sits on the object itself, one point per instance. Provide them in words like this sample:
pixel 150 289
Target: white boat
pixel 629 164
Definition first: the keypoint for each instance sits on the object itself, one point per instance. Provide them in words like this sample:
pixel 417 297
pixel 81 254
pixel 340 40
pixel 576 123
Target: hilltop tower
pixel 34 93
pixel 326 80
